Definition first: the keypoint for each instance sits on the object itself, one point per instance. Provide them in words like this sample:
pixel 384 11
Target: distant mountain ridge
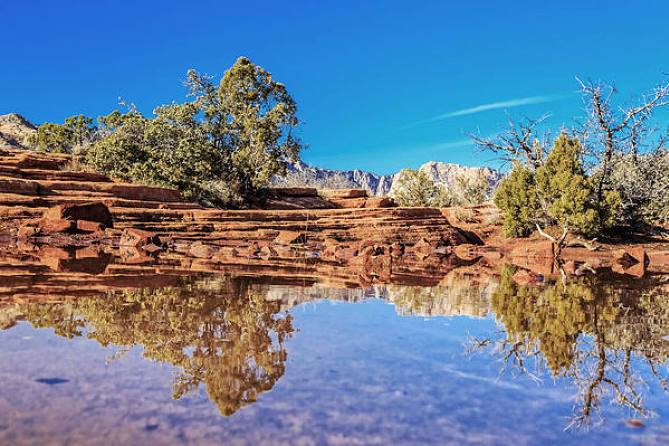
pixel 439 172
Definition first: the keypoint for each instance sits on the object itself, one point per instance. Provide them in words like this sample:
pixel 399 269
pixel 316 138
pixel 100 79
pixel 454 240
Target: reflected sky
pixel 224 360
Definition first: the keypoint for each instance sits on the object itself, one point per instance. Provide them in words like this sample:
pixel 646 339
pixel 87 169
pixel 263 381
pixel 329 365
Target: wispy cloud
pixel 509 103
pixel 429 148
pixel 446 145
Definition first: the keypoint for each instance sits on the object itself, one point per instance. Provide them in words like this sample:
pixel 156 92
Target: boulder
pixel 202 251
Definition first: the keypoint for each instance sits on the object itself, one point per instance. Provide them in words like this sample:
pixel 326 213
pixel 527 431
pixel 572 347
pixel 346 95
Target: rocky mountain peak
pixel 15 131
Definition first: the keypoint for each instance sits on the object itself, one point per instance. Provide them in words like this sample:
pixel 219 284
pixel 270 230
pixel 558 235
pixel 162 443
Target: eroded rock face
pixel 95 212
pixel 347 229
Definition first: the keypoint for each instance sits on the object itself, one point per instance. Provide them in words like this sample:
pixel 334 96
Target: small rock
pixel 137 238
pixel 635 423
pixel 202 251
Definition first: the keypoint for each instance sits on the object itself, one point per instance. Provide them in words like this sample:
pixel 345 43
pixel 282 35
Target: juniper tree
pixel 220 148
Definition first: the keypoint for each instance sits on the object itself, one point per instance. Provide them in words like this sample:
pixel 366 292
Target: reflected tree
pixel 221 332
pixel 597 333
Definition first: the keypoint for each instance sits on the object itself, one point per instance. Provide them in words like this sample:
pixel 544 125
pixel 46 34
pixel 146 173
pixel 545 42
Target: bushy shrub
pixel 63 138
pixel 642 183
pixel 558 193
pixel 415 188
pixel 565 193
pixel 470 190
pixel 517 198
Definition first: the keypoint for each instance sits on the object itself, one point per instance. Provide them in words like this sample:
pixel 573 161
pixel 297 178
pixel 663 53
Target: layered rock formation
pixel 44 204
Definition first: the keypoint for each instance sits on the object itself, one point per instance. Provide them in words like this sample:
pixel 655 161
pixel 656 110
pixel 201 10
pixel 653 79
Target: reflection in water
pixel 229 333
pixel 219 331
pixel 590 331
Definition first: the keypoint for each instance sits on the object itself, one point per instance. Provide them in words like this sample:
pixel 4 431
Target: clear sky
pixel 380 85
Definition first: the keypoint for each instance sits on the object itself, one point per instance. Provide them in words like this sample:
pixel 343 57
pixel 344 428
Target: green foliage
pixel 415 188
pixel 76 131
pixel 221 332
pixel 564 191
pixel 250 119
pixel 586 329
pixel 558 192
pixel 517 197
pixel 221 148
pixel 51 138
pixel 81 129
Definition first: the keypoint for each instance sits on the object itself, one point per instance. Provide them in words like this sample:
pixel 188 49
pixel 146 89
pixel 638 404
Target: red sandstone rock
pixel 93 212
pixel 466 251
pixel 226 252
pixel 396 250
pixel 569 267
pixel 152 248
pixel 267 252
pixel 27 231
pixel 343 193
pixel 294 191
pixel 349 203
pixel 17 186
pixel 51 226
pixel 380 202
pixel 290 238
pixel 40 161
pixel 137 238
pixel 535 249
pixel 422 248
pixel 200 250
pixel 89 226
pixel 631 262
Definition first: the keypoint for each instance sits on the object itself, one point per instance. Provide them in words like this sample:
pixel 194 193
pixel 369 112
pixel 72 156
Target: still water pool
pixel 225 360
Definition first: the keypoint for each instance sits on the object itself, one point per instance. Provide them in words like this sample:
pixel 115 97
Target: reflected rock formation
pixel 219 331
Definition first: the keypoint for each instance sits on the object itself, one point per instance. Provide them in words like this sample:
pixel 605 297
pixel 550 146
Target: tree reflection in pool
pixel 586 330
pixel 219 331
pixel 229 333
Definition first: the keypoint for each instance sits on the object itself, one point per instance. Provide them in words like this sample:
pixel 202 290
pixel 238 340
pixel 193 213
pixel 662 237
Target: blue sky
pixel 380 85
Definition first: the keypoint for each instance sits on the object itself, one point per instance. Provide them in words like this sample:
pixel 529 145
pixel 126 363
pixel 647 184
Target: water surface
pixel 245 360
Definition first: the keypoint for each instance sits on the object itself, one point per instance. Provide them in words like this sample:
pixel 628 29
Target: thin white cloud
pixel 510 103
pixel 430 148
pixel 446 145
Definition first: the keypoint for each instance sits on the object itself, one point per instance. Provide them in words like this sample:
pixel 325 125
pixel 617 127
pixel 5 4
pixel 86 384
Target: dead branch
pixel 518 143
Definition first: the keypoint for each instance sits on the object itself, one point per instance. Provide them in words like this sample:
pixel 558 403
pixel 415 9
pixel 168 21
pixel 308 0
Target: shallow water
pixel 232 360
